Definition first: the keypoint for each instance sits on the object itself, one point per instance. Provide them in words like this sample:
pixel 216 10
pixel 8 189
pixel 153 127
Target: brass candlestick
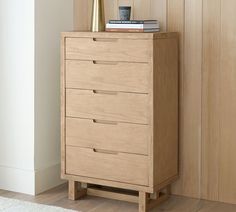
pixel 98 16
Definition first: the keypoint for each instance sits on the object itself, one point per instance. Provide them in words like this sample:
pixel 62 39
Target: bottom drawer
pixel 114 166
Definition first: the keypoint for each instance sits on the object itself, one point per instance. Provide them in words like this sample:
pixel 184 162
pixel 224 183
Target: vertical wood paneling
pixel 110 9
pixel 192 98
pixel 148 9
pixel 142 9
pixel 190 134
pixel 175 22
pixel 81 9
pixel 227 173
pixel 89 15
pixel 158 11
pixel 207 87
pixel 83 13
pixel 211 99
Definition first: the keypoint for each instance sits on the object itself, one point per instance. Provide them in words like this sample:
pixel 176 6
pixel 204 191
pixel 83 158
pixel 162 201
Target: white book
pixel 132 26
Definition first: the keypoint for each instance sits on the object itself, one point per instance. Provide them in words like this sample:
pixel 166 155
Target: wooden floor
pixel 58 197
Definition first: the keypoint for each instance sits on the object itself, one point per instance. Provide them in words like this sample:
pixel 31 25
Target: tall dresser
pixel 119 115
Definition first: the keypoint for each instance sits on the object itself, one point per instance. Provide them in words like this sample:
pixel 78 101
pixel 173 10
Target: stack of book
pixel 133 26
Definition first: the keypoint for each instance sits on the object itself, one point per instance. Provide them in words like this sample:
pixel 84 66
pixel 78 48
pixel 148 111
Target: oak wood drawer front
pixel 113 76
pixel 121 137
pixel 104 105
pixel 111 49
pixel 119 167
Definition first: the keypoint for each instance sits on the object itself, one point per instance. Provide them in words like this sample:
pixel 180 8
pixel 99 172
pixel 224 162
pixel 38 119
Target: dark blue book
pixel 133 22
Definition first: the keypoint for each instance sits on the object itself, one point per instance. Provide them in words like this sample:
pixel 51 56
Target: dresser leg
pixel 143 200
pixel 73 190
pixel 76 191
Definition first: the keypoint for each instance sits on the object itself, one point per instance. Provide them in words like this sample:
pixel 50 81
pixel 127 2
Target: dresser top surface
pixel 156 35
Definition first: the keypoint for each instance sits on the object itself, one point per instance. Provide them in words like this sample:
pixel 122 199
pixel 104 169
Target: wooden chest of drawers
pixel 119 113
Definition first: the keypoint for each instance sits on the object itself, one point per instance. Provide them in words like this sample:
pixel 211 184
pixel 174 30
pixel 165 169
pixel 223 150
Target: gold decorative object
pixel 98 16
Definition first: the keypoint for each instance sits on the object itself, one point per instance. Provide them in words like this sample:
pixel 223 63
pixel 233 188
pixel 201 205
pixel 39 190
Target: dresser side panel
pixel 165 95
pixel 63 153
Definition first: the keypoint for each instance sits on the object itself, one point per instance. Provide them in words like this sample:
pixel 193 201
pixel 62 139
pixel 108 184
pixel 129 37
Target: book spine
pixel 132 26
pixel 123 30
pixel 125 22
pixel 125 26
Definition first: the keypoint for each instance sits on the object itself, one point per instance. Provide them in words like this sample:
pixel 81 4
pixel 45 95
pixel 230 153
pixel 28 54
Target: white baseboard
pixel 47 178
pixel 30 182
pixel 17 180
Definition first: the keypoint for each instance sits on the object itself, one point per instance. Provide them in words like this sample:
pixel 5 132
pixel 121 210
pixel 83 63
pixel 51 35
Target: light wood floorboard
pixel 58 197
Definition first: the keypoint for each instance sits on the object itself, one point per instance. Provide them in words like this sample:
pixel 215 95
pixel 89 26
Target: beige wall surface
pixel 207 87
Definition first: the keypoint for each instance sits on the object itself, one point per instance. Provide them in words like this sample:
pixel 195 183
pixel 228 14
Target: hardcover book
pixel 131 30
pixel 133 26
pixel 133 22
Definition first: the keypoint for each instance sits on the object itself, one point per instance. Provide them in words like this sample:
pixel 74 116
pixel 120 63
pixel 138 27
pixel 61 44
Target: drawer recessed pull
pixel 105 39
pixel 105 92
pixel 105 151
pixel 104 62
pixel 104 122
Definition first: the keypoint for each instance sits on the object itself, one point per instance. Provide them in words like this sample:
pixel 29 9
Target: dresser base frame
pixel 145 200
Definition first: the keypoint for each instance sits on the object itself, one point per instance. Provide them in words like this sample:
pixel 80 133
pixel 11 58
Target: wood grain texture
pixel 143 202
pixel 227 172
pixel 122 137
pixel 73 190
pixel 114 35
pixel 216 147
pixel 110 9
pixel 62 106
pixel 211 99
pixel 142 9
pixel 109 194
pixel 89 14
pixel 191 152
pixel 108 49
pixel 175 22
pixel 107 166
pixel 58 197
pixel 117 107
pixel 112 76
pixel 158 11
pixel 165 94
pixel 102 123
pixel 116 184
pixel 185 16
pixel 81 15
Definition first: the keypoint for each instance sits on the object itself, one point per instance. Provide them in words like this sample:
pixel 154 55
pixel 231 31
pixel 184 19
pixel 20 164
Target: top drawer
pixel 108 49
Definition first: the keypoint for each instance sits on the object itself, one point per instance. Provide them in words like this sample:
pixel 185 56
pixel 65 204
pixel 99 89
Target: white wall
pixel 17 95
pixel 52 17
pixel 29 92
